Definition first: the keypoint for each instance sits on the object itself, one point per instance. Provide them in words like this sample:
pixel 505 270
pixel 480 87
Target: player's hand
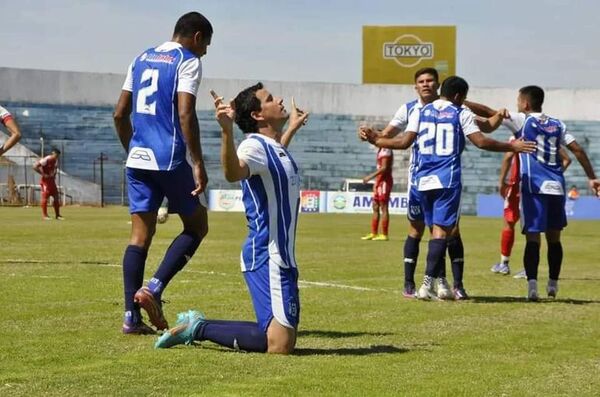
pixel 595 186
pixel 505 113
pixel 523 146
pixel 365 180
pixel 298 117
pixel 200 177
pixel 225 113
pixel 366 134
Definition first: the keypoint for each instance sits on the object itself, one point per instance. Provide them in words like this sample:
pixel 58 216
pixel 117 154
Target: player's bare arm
pixel 491 124
pixel 385 166
pixel 518 146
pixel 191 134
pixel 402 141
pixel 480 109
pixel 584 160
pixel 298 118
pixel 565 160
pixel 15 136
pixel 122 120
pixel 233 168
pixel 504 167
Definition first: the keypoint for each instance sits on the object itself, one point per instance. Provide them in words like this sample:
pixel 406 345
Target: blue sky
pixel 509 43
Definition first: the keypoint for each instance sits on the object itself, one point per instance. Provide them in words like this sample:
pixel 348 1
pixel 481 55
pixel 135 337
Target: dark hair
pixel 55 150
pixel 245 103
pixel 430 71
pixel 454 85
pixel 188 24
pixel 535 96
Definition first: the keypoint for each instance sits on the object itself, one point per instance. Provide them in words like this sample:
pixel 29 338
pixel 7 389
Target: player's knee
pixel 281 345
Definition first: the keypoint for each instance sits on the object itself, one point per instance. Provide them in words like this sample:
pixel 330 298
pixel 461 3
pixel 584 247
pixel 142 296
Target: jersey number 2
pixel 442 134
pixel 143 93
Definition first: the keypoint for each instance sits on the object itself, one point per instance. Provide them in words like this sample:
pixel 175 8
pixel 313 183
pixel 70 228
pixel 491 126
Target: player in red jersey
pixel 47 168
pixel 11 125
pixel 381 194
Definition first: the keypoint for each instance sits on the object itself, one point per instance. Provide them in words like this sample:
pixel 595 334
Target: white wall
pixel 75 88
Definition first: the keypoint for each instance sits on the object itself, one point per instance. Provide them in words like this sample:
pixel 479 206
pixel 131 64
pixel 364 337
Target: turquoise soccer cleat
pixel 183 333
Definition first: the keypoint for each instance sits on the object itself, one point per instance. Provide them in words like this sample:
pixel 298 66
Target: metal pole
pixel 26 189
pixel 41 146
pixel 101 179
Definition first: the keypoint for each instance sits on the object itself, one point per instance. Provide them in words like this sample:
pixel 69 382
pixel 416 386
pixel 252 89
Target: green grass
pixel 61 300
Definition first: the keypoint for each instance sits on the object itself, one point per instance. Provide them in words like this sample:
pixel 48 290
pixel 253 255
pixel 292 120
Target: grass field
pixel 61 318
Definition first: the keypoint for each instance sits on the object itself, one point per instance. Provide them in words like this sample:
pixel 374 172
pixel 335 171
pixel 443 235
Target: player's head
pixel 427 82
pixel 256 107
pixel 194 32
pixel 530 99
pixel 455 89
pixel 55 152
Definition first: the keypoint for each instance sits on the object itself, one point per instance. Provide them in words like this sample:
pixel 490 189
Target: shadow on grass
pixel 351 351
pixel 340 334
pixel 515 299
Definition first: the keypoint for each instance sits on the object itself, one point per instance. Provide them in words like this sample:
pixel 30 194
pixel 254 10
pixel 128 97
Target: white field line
pixel 302 283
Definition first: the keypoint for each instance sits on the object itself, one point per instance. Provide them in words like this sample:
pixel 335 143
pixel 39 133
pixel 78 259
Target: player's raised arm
pixel 298 118
pixel 480 109
pixel 492 123
pixel 233 168
pixel 518 146
pixel 402 141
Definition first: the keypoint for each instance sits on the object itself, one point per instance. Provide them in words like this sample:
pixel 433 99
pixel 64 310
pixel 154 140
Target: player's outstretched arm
pixel 480 109
pixel 233 168
pixel 122 120
pixel 402 141
pixel 492 145
pixel 491 124
pixel 15 135
pixel 298 118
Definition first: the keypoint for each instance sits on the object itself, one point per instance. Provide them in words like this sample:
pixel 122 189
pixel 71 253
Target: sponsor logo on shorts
pixel 140 155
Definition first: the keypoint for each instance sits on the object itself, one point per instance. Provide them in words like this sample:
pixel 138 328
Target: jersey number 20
pixel 143 93
pixel 436 136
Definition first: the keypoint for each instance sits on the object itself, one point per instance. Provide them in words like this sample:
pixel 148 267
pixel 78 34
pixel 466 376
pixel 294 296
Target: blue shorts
pixel 542 212
pixel 441 206
pixel 415 210
pixel 146 190
pixel 274 292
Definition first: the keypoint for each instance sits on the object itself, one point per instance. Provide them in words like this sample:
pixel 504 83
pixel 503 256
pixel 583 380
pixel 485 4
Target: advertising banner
pixel 392 54
pixel 225 200
pixel 310 201
pixel 362 202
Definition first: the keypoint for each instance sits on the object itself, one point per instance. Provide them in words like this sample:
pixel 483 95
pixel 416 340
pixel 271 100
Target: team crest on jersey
pixel 408 50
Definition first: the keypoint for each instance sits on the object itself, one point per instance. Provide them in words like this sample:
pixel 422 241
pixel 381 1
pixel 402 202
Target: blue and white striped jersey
pixel 441 129
pixel 271 198
pixel 154 79
pixel 541 171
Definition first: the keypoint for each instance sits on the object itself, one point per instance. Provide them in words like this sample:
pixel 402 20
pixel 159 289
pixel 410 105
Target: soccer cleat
pixel 137 329
pixel 501 268
pixel 380 237
pixel 521 274
pixel 409 290
pixel 369 236
pixel 443 290
pixel 60 218
pixel 426 292
pixel 552 288
pixel 183 333
pixel 532 291
pixel 46 218
pixel 152 306
pixel 460 294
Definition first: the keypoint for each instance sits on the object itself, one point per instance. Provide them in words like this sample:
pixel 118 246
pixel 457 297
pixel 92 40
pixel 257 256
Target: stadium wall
pixel 102 89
